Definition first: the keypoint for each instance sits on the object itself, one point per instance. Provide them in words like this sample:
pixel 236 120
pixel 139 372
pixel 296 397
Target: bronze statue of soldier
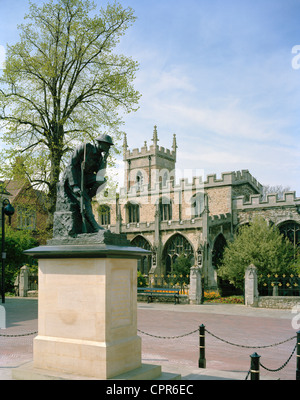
pixel 81 180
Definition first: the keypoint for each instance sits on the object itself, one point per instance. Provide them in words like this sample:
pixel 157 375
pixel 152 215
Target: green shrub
pixel 141 280
pixel 15 244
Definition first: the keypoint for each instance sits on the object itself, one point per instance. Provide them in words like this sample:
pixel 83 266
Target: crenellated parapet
pixel 272 200
pixel 233 178
pixel 219 219
pixel 152 150
pixel 197 183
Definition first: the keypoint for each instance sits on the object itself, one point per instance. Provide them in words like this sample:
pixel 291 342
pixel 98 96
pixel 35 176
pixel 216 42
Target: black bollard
pixel 254 368
pixel 202 360
pixel 298 357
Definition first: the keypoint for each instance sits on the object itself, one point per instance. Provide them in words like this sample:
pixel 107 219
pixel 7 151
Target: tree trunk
pixel 54 179
pixel 56 153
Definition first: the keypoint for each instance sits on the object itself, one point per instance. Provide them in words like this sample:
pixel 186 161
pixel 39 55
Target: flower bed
pixel 215 297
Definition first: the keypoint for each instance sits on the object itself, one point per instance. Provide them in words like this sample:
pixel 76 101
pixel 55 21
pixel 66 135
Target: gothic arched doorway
pixel 174 247
pixel 218 250
pixel 144 264
pixel 291 230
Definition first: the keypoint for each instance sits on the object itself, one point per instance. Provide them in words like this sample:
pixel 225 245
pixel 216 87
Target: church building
pixel 170 216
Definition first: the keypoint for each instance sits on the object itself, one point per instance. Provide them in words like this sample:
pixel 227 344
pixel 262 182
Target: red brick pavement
pixel 239 329
pixel 21 318
pixel 236 326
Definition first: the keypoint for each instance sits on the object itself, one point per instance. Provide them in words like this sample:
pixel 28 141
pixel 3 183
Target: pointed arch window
pixel 291 230
pixel 145 263
pixel 133 213
pixel 218 250
pixel 175 246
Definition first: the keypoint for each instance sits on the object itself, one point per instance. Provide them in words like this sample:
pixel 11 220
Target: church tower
pixel 149 165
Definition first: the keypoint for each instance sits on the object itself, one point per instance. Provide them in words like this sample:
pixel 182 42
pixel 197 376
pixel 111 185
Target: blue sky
pixel 219 74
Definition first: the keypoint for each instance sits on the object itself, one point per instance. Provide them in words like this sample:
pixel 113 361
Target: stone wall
pixel 219 200
pixel 280 302
pixel 253 299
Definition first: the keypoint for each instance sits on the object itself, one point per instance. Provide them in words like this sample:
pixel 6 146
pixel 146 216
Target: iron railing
pixel 168 281
pixel 279 285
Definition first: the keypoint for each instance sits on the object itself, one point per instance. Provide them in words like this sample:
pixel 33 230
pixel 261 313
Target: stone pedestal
pixel 87 313
pixel 87 322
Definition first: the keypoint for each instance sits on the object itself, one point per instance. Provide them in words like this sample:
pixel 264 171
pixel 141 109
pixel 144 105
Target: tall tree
pixel 63 84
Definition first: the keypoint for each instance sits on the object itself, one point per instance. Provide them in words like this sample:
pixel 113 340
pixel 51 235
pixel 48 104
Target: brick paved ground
pixel 237 324
pixel 21 318
pixel 251 327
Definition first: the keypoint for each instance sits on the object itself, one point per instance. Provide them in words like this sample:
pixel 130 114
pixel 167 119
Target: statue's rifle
pixel 82 207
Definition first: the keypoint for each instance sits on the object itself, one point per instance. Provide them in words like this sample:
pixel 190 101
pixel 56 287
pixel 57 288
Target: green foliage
pixel 15 244
pixel 63 83
pixel 141 280
pixel 181 268
pixel 296 264
pixel 259 244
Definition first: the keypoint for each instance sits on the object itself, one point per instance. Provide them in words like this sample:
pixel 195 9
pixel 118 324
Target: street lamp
pixel 7 209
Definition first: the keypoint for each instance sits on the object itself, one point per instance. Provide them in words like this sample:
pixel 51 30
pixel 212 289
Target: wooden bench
pixel 159 292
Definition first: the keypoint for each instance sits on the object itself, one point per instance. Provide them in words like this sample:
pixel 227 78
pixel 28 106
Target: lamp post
pixel 7 209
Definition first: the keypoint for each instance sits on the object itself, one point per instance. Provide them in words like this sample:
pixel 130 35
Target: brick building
pixel 29 204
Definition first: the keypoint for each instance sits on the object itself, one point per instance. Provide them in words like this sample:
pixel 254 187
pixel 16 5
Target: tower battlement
pixel 233 178
pixel 148 151
pixel 143 166
pixel 152 150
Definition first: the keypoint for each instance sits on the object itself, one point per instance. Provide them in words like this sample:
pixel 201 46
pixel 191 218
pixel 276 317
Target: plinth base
pixel 101 360
pixel 144 372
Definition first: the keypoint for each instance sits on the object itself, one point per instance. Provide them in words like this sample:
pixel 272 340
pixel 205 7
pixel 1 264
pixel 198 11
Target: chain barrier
pixel 20 334
pixel 210 333
pixel 234 344
pixel 283 365
pixel 260 347
pixel 277 369
pixel 217 337
pixel 168 337
pixel 250 347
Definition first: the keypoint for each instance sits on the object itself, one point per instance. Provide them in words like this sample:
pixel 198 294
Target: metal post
pixel 254 368
pixel 202 360
pixel 3 255
pixel 298 357
pixel 7 209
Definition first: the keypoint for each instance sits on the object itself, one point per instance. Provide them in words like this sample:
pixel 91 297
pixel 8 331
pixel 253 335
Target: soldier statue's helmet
pixel 105 139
